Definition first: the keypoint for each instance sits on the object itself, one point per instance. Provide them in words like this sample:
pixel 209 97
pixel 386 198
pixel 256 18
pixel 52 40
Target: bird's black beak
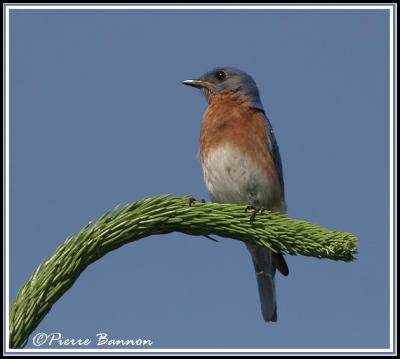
pixel 198 83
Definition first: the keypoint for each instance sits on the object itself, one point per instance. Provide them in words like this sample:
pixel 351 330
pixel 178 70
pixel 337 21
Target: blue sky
pixel 98 116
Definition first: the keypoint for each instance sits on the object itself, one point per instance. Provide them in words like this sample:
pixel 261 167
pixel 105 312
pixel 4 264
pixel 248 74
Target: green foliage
pixel 159 215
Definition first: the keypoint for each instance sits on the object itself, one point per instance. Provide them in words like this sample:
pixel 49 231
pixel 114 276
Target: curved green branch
pixel 159 215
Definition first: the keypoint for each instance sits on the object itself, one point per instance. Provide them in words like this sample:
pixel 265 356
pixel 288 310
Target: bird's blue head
pixel 227 80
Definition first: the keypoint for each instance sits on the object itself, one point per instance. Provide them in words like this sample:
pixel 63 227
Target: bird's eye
pixel 220 75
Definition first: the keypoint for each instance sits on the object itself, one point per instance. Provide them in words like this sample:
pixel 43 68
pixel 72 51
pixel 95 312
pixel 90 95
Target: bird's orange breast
pixel 230 123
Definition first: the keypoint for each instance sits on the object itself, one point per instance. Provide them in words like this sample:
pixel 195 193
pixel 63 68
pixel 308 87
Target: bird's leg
pixel 192 200
pixel 255 209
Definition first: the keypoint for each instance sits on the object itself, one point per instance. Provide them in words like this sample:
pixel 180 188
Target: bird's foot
pixel 256 210
pixel 192 200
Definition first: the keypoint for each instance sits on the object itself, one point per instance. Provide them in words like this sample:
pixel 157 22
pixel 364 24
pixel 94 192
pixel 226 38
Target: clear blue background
pixel 99 116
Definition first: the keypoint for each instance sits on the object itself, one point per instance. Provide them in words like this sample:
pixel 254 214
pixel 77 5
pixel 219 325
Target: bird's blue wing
pixel 275 153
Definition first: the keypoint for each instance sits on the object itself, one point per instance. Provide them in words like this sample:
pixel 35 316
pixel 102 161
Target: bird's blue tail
pixel 265 272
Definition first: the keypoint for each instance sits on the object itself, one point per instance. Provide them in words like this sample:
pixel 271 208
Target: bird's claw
pixel 255 211
pixel 192 200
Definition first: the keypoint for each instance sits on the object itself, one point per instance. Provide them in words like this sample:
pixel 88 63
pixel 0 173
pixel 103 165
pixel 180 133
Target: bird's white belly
pixel 232 177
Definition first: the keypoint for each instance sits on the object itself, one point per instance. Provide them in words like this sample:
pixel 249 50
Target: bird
pixel 241 162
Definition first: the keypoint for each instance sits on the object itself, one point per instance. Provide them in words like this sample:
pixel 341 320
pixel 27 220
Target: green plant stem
pixel 159 215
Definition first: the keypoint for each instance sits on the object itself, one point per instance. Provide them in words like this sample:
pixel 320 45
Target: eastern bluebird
pixel 241 162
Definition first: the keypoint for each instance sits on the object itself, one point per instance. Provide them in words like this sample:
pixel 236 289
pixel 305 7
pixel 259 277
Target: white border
pixel 391 175
pixel 7 9
pixel 202 7
pixel 7 168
